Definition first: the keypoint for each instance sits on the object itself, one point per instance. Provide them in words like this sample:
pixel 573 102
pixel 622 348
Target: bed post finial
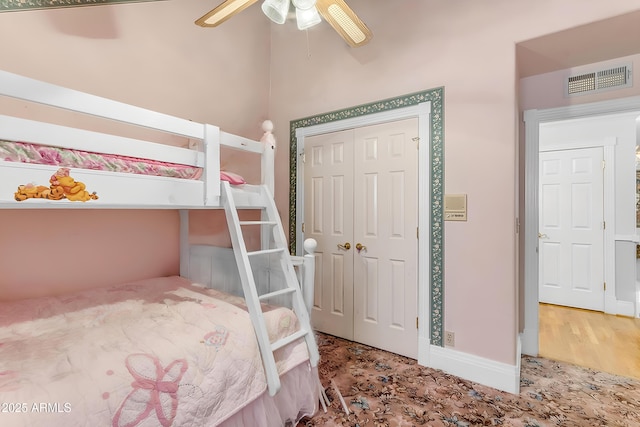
pixel 310 246
pixel 268 138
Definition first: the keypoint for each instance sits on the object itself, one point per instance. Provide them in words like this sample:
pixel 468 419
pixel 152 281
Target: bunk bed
pixel 227 342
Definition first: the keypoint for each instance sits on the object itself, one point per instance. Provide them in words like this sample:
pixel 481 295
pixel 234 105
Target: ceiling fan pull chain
pixel 308 48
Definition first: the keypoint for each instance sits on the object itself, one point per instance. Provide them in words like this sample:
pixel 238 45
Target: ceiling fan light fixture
pixel 304 4
pixel 223 12
pixel 307 18
pixel 344 21
pixel 276 10
pixel 308 13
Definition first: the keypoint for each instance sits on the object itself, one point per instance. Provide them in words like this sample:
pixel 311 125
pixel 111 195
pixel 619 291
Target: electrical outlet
pixel 449 338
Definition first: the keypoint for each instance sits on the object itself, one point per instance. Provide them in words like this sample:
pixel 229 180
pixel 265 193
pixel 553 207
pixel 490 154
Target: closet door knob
pixel 344 247
pixel 360 247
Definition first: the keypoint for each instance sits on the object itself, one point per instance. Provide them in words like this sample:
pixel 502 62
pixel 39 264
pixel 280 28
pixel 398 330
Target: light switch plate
pixel 455 207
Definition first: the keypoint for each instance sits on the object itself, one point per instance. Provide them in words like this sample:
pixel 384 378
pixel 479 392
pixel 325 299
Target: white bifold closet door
pixel 361 205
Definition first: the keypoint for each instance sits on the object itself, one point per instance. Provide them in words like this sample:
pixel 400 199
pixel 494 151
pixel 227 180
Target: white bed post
pixel 268 158
pixel 211 144
pixel 268 173
pixel 309 268
pixel 184 243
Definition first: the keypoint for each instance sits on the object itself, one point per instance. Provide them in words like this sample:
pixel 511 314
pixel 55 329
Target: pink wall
pixel 469 48
pixel 48 252
pixel 151 55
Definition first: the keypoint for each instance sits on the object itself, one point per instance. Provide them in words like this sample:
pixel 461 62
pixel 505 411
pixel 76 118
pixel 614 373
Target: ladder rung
pixel 276 293
pixel 257 223
pixel 286 340
pixel 265 251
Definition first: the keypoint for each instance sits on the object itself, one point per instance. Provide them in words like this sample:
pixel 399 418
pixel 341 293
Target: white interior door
pixel 361 188
pixel 571 228
pixel 386 212
pixel 328 207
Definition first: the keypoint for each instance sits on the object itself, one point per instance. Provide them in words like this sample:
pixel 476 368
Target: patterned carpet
pixel 384 389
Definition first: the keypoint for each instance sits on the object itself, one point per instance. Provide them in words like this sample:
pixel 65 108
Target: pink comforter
pixel 161 352
pixel 46 155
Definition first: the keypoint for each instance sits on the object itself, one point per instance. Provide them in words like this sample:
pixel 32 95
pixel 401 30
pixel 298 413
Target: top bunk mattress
pixel 25 152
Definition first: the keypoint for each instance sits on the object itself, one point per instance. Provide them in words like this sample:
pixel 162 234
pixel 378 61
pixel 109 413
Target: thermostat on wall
pixel 455 207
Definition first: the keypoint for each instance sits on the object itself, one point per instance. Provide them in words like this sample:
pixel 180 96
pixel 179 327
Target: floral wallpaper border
pixel 436 97
pixel 15 5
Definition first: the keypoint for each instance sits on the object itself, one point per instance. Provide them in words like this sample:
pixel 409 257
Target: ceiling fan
pixel 308 12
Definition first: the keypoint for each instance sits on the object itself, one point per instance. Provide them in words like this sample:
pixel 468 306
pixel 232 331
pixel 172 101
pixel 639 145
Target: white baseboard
pixel 424 347
pixel 487 372
pixel 619 307
pixel 625 308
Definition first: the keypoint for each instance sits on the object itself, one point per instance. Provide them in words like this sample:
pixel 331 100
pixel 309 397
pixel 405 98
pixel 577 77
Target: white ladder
pixel 271 227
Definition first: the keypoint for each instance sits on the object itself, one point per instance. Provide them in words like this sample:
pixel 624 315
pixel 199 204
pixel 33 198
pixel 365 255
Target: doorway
pixel 361 206
pixel 619 237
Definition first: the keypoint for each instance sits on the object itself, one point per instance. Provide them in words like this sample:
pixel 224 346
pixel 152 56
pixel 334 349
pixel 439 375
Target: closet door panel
pixel 329 220
pixel 386 221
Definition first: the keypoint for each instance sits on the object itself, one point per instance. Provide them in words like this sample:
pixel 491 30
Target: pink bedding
pixel 46 155
pixel 160 352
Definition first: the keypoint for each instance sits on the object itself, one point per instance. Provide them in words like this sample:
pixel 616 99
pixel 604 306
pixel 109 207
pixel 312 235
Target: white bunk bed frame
pixel 222 268
pixel 142 191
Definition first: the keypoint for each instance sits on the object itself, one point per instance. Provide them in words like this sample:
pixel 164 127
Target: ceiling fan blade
pixel 344 21
pixel 224 11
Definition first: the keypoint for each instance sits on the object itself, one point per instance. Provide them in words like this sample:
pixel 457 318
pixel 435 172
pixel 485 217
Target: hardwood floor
pixel 592 339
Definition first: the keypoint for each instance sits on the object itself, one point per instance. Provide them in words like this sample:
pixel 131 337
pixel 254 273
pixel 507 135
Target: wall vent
pixel 599 81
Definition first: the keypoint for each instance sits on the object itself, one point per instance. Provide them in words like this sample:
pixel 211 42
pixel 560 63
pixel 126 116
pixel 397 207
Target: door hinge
pixel 303 227
pixel 604 164
pixel 417 141
pixel 417 323
pixel 417 232
pixel 303 157
pixel 604 225
pixel 605 286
